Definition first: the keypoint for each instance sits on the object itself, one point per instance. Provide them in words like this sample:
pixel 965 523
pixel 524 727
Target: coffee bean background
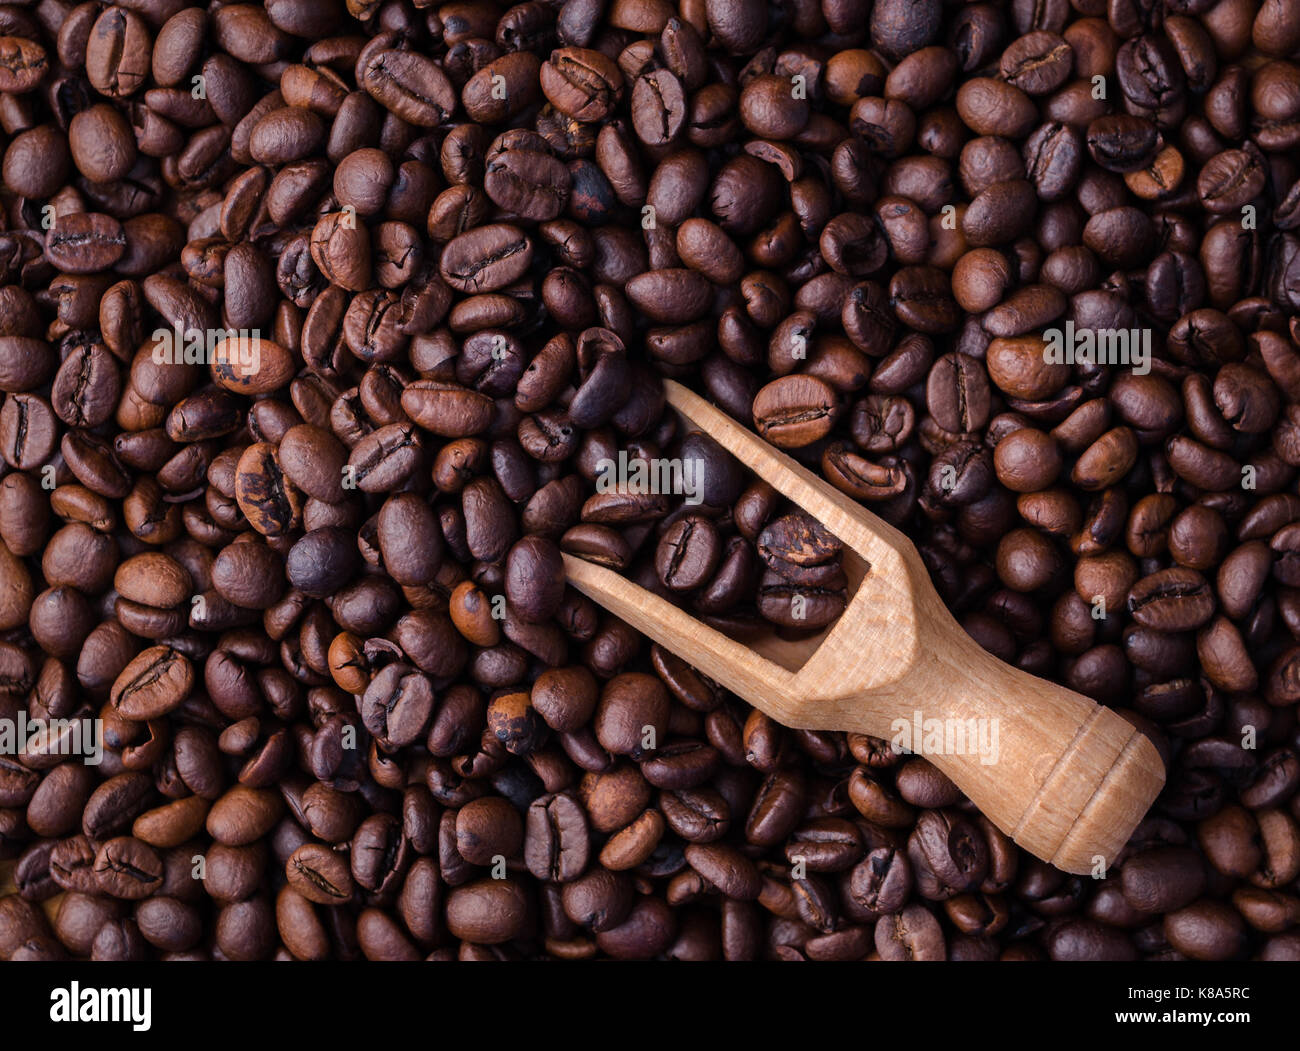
pixel 312 583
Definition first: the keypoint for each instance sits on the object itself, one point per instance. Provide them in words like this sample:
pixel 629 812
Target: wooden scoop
pixel 1069 780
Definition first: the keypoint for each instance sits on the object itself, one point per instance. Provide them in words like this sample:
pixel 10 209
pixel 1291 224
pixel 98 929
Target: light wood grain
pixel 1072 779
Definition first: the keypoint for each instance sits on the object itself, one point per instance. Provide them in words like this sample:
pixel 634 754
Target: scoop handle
pixel 1067 779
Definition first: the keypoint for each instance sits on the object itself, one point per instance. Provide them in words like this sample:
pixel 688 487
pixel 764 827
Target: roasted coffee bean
pixel 1162 879
pixel 1172 600
pixel 912 934
pixel 319 874
pixel 488 912
pixel 85 242
pixel 397 705
pixel 582 84
pixel 23 64
pixel 126 868
pixel 409 85
pixel 486 258
pixel 957 393
pixel 794 411
pixel 556 840
pixel 157 681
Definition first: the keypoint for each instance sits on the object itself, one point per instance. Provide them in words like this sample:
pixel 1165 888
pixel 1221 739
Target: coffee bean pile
pixel 730 549
pixel 318 319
